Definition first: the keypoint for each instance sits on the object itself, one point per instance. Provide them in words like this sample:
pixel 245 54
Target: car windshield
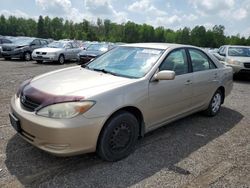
pixel 22 41
pixel 98 47
pixel 239 51
pixel 56 44
pixel 131 62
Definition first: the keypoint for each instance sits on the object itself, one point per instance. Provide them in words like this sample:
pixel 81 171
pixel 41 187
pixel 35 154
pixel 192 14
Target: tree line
pixel 105 30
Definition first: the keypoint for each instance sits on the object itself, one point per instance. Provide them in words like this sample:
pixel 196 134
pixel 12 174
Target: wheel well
pixel 222 89
pixel 137 113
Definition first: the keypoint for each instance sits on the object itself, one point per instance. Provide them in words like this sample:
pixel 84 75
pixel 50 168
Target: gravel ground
pixel 193 152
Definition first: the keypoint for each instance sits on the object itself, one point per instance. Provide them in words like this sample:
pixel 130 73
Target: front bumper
pixel 239 68
pixel 61 137
pixel 12 54
pixel 44 57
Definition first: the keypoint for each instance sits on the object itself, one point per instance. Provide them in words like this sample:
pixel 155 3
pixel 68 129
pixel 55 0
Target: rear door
pixel 170 98
pixel 68 51
pixel 205 77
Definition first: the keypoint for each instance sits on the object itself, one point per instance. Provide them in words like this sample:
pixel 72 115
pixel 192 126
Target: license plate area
pixel 15 122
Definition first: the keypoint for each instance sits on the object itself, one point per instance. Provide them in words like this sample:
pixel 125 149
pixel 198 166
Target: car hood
pixel 241 59
pixel 75 81
pixel 48 49
pixel 91 53
pixel 13 46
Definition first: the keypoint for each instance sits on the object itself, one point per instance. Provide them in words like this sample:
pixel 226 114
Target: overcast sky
pixel 174 14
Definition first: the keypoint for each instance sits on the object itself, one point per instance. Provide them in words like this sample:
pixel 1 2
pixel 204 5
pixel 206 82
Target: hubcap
pixel 27 56
pixel 120 137
pixel 216 102
pixel 61 60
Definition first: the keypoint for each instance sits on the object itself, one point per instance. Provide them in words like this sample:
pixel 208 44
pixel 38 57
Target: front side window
pixel 200 61
pixel 176 61
pixel 36 42
pixel 44 42
pixel 132 62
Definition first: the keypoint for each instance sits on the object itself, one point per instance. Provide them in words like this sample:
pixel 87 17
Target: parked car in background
pixel 107 105
pixel 237 57
pixel 22 47
pixel 4 40
pixel 93 50
pixel 59 51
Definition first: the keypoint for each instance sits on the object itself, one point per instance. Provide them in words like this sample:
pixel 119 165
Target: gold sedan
pixel 107 105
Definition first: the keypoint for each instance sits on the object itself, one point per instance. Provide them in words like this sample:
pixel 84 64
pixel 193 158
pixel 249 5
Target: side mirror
pixel 222 54
pixel 165 75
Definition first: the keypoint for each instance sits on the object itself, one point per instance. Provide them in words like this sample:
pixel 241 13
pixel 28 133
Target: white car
pixel 59 51
pixel 237 57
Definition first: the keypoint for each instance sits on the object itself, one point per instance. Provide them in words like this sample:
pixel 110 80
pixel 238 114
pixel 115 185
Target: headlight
pixel 65 110
pixel 233 62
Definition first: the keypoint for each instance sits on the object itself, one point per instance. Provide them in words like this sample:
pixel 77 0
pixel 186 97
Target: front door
pixel 170 98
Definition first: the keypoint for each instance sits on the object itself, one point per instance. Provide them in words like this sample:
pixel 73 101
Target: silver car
pixel 107 105
pixel 59 51
pixel 237 57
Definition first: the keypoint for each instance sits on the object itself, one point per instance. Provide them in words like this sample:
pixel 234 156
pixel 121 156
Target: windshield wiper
pixel 85 66
pixel 105 71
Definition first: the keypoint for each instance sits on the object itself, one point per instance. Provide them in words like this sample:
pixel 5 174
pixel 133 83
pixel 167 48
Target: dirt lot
pixel 194 152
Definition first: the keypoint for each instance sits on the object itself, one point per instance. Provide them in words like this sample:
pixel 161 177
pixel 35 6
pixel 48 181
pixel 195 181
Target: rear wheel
pixel 118 137
pixel 27 56
pixel 61 59
pixel 215 104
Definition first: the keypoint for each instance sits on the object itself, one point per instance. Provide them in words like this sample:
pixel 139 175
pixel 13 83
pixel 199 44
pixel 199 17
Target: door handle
pixel 188 82
pixel 215 75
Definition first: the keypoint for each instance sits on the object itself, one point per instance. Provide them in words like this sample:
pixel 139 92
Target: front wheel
pixel 61 59
pixel 215 104
pixel 27 56
pixel 118 137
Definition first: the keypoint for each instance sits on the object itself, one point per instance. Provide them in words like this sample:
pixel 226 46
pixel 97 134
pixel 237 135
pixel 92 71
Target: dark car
pixel 4 40
pixel 22 48
pixel 93 51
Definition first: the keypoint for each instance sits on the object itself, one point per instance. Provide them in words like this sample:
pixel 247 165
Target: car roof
pixel 241 46
pixel 162 46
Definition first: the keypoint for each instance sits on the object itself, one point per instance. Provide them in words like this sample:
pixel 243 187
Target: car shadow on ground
pixel 242 78
pixel 160 149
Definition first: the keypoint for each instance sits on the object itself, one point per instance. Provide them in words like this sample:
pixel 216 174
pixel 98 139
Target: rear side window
pixel 176 61
pixel 74 45
pixel 200 62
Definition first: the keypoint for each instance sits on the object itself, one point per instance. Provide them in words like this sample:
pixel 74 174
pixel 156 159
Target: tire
pixel 61 59
pixel 39 61
pixel 7 58
pixel 27 56
pixel 215 104
pixel 118 137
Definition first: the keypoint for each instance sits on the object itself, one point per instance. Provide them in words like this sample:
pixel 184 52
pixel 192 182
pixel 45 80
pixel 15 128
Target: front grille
pixel 28 103
pixel 247 65
pixel 43 53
